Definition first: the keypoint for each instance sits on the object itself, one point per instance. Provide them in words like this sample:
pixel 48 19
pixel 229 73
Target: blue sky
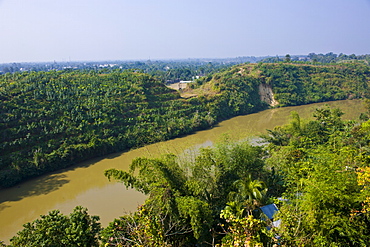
pixel 82 30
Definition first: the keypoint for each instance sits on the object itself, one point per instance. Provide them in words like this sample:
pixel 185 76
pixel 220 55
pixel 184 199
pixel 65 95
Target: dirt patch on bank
pixel 266 94
pixel 178 85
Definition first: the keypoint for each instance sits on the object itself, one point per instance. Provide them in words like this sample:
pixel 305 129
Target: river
pixel 85 184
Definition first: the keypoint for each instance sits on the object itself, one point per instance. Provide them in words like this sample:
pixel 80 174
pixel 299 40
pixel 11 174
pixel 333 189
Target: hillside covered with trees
pixel 51 120
pixel 297 83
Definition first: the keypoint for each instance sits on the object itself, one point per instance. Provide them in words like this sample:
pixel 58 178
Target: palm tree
pixel 248 194
pixel 244 229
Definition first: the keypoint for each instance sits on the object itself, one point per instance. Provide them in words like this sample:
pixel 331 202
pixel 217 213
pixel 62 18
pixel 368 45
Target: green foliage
pixel 297 84
pixel 248 195
pixel 245 231
pixel 317 161
pixel 173 211
pixel 50 120
pixel 244 224
pixel 287 58
pixel 185 199
pixel 238 93
pixel 56 229
pixel 143 228
pixel 334 58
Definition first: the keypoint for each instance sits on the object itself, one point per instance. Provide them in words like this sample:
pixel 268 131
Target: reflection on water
pixel 43 185
pixel 86 185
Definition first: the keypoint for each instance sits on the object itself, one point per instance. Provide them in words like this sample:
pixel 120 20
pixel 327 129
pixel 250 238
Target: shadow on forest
pixel 53 181
pixel 47 183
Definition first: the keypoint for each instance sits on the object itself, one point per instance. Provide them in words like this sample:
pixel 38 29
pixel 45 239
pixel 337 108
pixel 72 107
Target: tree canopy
pixel 324 167
pixel 56 229
pixel 186 199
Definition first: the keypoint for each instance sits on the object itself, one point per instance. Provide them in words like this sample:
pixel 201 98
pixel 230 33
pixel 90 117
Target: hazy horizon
pixel 121 30
pixel 157 60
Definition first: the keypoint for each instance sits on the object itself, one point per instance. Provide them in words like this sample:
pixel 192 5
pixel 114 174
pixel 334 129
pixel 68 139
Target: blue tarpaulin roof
pixel 269 210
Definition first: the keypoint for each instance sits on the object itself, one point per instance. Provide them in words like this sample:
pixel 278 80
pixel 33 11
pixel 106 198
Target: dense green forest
pixel 317 172
pixel 51 120
pixel 304 84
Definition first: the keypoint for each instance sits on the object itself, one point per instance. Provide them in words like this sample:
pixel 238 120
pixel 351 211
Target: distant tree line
pixel 165 69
